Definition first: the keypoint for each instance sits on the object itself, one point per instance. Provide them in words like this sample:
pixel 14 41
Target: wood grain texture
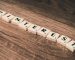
pixel 17 44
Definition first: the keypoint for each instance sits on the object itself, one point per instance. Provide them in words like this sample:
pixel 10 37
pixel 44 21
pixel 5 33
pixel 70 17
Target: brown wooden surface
pixel 17 44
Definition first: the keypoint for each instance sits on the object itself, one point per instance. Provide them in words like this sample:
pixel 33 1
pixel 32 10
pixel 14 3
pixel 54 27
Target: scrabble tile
pixel 17 20
pixel 34 28
pixel 63 40
pixel 25 25
pixel 8 17
pixel 53 36
pixel 71 45
pixel 43 31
